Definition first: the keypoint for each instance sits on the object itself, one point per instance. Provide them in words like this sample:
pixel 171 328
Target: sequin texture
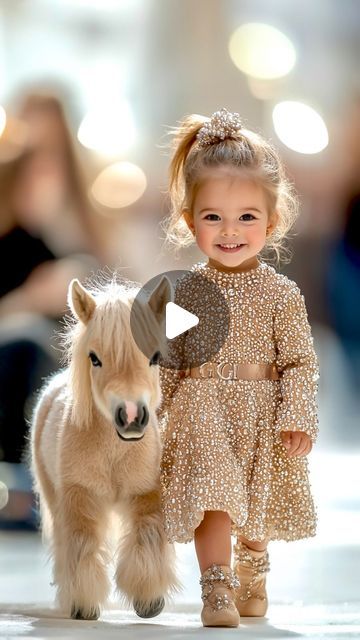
pixel 221 438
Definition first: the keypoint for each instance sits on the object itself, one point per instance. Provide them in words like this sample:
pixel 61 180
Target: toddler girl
pixel 237 429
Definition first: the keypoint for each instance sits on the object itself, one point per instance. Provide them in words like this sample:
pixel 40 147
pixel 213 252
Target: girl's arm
pixel 298 366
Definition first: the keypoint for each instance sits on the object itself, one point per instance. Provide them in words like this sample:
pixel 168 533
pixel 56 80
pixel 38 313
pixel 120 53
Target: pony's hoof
pixel 79 614
pixel 151 610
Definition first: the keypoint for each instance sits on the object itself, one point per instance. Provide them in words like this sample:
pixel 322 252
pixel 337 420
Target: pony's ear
pixel 80 301
pixel 160 296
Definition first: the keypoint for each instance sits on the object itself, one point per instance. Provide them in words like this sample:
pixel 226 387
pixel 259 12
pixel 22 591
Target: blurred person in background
pixel 48 235
pixel 343 275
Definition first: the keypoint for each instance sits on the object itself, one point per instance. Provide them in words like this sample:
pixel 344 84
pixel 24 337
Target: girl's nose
pixel 229 230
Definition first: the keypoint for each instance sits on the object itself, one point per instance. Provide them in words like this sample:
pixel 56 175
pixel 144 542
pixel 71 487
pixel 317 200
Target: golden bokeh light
pixel 262 51
pixel 119 185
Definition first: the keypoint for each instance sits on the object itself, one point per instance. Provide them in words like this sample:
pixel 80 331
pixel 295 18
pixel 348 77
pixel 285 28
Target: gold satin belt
pixel 234 371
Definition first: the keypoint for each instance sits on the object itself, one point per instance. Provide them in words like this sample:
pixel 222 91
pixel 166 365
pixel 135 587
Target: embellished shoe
pixel 250 567
pixel 218 584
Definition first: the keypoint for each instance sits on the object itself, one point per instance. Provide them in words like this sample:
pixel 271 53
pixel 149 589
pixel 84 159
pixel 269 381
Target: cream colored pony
pixel 96 449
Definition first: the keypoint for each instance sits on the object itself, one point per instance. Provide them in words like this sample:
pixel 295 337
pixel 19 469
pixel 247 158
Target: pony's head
pixel 107 370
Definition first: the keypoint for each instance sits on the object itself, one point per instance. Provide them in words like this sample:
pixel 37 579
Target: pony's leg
pixel 43 484
pixel 79 553
pixel 146 564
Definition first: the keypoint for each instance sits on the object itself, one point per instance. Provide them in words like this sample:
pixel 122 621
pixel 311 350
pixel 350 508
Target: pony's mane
pixel 110 327
pixel 113 295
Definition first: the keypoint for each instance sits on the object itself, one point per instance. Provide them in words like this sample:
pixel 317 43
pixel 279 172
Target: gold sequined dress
pixel 221 437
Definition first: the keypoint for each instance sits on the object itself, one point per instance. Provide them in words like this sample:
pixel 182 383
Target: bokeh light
pixel 119 185
pixel 262 51
pixel 300 127
pixel 108 129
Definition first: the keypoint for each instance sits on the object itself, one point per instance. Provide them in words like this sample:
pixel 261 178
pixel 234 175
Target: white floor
pixel 314 585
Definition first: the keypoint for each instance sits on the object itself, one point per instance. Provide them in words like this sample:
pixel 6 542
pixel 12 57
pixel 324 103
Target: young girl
pixel 237 430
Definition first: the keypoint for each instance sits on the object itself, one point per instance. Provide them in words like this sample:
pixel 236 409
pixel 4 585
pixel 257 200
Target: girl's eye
pixel 155 359
pixel 94 359
pixel 212 216
pixel 247 216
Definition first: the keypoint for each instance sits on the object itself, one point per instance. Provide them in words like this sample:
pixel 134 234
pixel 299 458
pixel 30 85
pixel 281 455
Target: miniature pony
pixel 96 449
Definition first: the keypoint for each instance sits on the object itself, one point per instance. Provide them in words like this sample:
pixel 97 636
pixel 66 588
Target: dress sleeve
pixel 297 364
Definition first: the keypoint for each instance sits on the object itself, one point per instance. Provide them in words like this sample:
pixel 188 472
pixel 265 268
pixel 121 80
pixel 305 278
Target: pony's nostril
pixel 128 415
pixel 121 416
pixel 142 417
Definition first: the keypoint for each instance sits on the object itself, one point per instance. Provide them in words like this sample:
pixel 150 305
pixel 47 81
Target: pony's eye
pixel 94 359
pixel 155 358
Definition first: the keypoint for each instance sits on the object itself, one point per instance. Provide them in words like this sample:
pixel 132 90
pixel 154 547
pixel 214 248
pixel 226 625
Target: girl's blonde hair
pixel 244 150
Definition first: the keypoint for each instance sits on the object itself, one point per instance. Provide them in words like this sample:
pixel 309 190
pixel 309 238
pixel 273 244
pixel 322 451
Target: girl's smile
pixel 230 220
pixel 230 248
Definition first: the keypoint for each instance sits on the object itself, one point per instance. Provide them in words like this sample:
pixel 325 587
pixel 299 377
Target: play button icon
pixel 178 320
pixel 192 313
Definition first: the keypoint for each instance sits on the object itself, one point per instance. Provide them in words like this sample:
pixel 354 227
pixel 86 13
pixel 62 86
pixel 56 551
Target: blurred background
pixel 88 89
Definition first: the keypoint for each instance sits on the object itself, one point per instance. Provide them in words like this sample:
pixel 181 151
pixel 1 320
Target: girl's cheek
pixel 201 235
pixel 258 233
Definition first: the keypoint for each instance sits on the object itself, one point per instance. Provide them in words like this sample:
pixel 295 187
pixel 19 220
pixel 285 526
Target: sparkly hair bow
pixel 222 124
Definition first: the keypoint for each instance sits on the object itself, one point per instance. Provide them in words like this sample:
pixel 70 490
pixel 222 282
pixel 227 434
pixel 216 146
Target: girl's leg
pixel 213 540
pixel 213 549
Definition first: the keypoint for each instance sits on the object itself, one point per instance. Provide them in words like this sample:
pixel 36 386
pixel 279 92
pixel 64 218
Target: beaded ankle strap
pixel 213 577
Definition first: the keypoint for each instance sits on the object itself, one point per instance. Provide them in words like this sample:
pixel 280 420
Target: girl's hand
pixel 297 443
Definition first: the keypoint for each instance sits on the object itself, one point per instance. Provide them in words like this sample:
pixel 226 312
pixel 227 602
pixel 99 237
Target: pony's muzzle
pixel 131 420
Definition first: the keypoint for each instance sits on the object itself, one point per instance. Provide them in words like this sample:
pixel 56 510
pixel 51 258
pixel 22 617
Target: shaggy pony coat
pixel 96 450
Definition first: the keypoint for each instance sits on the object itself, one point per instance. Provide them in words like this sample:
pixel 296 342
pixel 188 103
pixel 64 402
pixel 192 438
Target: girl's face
pixel 230 220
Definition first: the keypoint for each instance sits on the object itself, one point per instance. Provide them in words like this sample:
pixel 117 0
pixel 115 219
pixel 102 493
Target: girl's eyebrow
pixel 220 210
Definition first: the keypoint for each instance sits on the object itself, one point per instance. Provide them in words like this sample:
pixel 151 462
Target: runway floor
pixel 314 586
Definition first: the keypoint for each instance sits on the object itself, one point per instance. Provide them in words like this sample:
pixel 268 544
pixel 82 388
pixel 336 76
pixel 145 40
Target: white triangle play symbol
pixel 178 320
